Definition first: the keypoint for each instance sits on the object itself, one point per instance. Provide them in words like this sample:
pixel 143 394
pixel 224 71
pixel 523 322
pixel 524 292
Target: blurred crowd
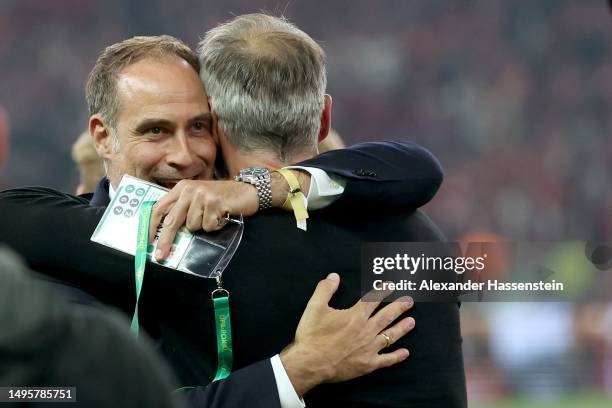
pixel 514 98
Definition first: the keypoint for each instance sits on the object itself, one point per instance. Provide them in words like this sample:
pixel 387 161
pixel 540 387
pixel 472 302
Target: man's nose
pixel 180 155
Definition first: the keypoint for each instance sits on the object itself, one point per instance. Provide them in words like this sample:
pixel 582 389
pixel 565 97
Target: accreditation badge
pixel 204 254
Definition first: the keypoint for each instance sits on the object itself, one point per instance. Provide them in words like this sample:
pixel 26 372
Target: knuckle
pixel 166 243
pixel 363 308
pixel 213 201
pixel 372 365
pixel 200 193
pixel 399 330
pixel 188 189
pixel 206 201
pixel 191 225
pixel 389 361
pixel 398 309
pixel 156 214
pixel 388 317
pixel 322 284
pixel 163 242
pixel 208 226
pixel 168 222
pixel 397 333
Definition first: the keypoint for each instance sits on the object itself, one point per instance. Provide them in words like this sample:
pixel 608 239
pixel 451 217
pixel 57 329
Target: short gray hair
pixel 266 79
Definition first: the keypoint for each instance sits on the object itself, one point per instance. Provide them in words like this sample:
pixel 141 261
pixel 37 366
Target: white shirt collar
pixel 111 191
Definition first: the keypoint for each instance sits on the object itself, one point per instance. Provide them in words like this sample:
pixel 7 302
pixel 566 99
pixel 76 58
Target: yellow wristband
pixel 295 198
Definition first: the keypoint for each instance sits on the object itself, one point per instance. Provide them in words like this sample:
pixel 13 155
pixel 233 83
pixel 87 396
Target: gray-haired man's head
pixel 266 80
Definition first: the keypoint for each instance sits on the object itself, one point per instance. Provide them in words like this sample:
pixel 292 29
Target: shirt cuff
pixel 324 188
pixel 286 393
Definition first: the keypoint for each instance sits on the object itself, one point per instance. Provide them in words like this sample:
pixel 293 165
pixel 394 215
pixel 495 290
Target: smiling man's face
pixel 164 125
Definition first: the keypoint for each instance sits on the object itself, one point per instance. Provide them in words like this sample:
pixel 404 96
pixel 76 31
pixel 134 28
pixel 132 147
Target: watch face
pixel 253 172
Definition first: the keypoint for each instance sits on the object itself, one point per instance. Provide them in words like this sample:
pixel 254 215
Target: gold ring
pixel 387 339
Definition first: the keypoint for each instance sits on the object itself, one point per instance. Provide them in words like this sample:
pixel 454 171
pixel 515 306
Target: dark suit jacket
pixel 47 342
pixel 271 278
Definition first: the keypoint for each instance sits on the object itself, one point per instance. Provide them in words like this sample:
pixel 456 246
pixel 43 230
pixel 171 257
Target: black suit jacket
pixel 270 280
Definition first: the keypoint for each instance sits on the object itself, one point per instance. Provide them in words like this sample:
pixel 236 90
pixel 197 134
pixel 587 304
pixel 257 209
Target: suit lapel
pixel 100 197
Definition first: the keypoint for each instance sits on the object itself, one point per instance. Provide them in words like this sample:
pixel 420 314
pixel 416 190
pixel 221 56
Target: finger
pixel 395 332
pixel 172 223
pixel 210 219
pixel 160 210
pixel 371 300
pixel 220 221
pixel 194 218
pixel 214 211
pixel 387 315
pixel 324 291
pixel 389 359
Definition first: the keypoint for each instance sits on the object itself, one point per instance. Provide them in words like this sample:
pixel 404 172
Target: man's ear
pixel 325 118
pixel 102 136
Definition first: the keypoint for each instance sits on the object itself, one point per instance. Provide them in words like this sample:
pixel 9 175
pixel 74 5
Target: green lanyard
pixel 223 324
pixel 140 259
pixel 220 298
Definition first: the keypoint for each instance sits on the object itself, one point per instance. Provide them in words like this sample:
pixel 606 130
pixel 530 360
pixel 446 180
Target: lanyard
pixel 223 326
pixel 220 297
pixel 140 259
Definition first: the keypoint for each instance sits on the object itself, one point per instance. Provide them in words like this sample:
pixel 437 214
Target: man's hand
pixel 200 205
pixel 337 345
pixel 204 204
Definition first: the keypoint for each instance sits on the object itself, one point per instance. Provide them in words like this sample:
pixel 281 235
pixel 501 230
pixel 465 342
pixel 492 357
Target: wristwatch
pixel 260 178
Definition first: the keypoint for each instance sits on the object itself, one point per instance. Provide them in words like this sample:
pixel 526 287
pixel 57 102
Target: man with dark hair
pixel 162 130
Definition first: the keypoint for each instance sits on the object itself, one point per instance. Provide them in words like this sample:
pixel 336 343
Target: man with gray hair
pixel 158 127
pixel 266 84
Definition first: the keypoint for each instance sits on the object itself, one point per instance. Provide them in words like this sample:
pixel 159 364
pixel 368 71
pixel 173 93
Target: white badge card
pixel 203 254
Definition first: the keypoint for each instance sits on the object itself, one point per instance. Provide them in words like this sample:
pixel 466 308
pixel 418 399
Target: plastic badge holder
pixel 204 254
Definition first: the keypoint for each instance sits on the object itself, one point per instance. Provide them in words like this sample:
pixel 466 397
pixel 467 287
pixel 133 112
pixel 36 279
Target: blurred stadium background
pixel 514 98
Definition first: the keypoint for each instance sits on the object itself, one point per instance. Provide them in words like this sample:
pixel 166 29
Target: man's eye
pixel 156 130
pixel 198 126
